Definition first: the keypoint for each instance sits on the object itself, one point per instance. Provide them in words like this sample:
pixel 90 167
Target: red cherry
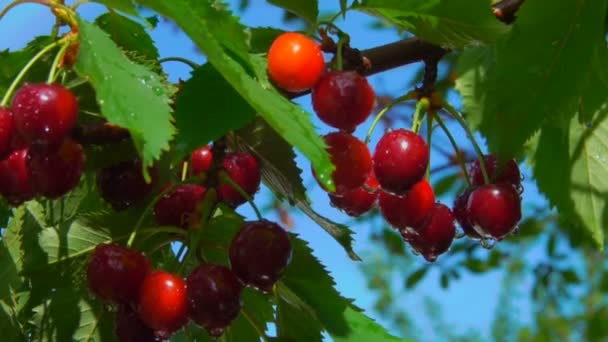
pixel 178 207
pixel 295 62
pixel 214 297
pixel 460 212
pixel 123 185
pixel 400 160
pixel 259 254
pixel 410 210
pixel 130 328
pixel 15 182
pixel 510 171
pixel 162 302
pixel 115 273
pixel 436 234
pixel 54 173
pixel 44 113
pixel 343 99
pixel 6 130
pixel 201 159
pixel 244 170
pixel 359 201
pixel 352 160
pixel 494 209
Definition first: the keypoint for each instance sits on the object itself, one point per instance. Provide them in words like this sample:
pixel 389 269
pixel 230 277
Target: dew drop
pixel 215 332
pixel 414 251
pixel 158 91
pixel 101 102
pixel 488 243
pixel 431 257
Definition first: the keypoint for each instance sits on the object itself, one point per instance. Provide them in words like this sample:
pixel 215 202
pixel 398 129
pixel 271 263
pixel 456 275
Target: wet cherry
pixel 510 171
pixel 494 209
pixel 130 328
pixel 244 170
pixel 15 182
pixel 6 131
pixel 435 235
pixel 178 207
pixel 123 185
pixel 410 210
pixel 200 160
pixel 359 201
pixel 163 302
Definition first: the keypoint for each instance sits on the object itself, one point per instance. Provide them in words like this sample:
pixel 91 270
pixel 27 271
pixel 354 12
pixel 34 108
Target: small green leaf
pixel 126 6
pixel 262 38
pixel 307 9
pixel 476 265
pixel 416 277
pixel 130 36
pixel 364 328
pixel 130 95
pixel 570 277
pixel 444 280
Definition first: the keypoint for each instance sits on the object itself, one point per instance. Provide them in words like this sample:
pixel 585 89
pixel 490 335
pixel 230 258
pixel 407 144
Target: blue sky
pixel 469 303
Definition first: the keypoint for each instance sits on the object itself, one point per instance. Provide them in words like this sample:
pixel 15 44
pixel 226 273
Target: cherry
pixel 15 182
pixel 410 210
pixel 259 253
pixel 214 297
pixel 510 171
pixel 163 302
pixel 244 170
pixel 44 113
pixel 115 273
pixel 54 173
pixel 123 185
pixel 460 212
pixel 295 62
pixel 436 234
pixel 352 160
pixel 494 209
pixel 343 99
pixel 130 328
pixel 201 159
pixel 6 130
pixel 178 207
pixel 359 201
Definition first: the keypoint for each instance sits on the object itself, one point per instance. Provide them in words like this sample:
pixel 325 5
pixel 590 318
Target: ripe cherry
pixel 178 207
pixel 461 215
pixel 163 302
pixel 130 328
pixel 343 99
pixel 123 185
pixel 410 210
pixel 44 113
pixel 400 160
pixel 359 201
pixel 295 62
pixel 494 209
pixel 244 170
pixel 54 173
pixel 200 160
pixel 214 297
pixel 510 171
pixel 15 182
pixel 352 160
pixel 6 131
pixel 436 234
pixel 259 254
pixel 115 273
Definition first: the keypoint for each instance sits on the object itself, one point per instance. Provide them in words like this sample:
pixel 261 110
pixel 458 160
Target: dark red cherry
pixel 352 160
pixel 494 209
pixel 510 171
pixel 460 213
pixel 130 328
pixel 115 273
pixel 200 160
pixel 359 201
pixel 178 207
pixel 44 113
pixel 435 236
pixel 244 170
pixel 410 210
pixel 54 173
pixel 259 254
pixel 123 185
pixel 214 297
pixel 343 99
pixel 163 302
pixel 15 182
pixel 6 131
pixel 400 160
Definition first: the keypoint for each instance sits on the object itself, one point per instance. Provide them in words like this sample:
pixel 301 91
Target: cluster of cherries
pixel 37 156
pixel 394 177
pixel 154 304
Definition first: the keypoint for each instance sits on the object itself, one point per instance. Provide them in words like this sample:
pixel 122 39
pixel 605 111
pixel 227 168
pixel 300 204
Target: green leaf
pixel 126 6
pixel 307 9
pixel 570 276
pixel 257 311
pixel 296 321
pixel 262 38
pixel 451 24
pixel 445 184
pixel 223 110
pixel 288 119
pixel 129 94
pixel 364 328
pixel 416 277
pixel 11 63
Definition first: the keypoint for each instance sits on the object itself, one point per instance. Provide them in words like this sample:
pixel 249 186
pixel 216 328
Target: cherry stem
pixel 208 207
pixel 185 167
pixel 19 2
pixel 421 107
pixel 409 96
pixel 429 137
pixel 456 115
pixel 147 211
pixel 56 61
pixel 339 55
pixel 455 146
pixel 186 61
pixel 78 3
pixel 26 68
pixel 224 178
